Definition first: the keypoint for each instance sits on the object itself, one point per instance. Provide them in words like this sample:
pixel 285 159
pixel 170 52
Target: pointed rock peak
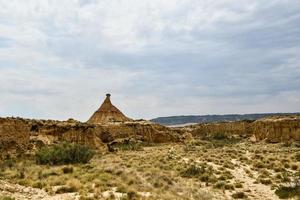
pixel 107 97
pixel 108 113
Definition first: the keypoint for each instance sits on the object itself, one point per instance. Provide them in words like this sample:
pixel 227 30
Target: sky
pixel 58 58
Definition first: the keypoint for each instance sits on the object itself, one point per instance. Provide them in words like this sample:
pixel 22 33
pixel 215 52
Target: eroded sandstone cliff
pixel 19 135
pixel 49 132
pixel 140 130
pixel 240 129
pixel 108 113
pixel 14 135
pixel 277 129
pixel 271 129
pixel 22 134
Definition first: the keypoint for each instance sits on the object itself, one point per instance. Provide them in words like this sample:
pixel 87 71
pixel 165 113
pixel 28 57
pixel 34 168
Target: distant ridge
pixel 188 119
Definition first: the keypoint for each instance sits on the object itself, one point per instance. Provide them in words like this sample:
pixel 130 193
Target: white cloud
pixel 124 25
pixel 156 57
pixel 58 93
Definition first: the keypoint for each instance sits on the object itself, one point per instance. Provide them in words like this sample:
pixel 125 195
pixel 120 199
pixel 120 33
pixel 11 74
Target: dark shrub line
pixel 64 153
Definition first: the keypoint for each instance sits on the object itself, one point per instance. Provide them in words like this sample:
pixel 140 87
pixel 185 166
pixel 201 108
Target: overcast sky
pixel 58 58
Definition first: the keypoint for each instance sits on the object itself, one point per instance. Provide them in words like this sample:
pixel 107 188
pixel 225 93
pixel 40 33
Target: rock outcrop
pixel 240 129
pixel 14 135
pixel 108 113
pixel 107 124
pixel 271 129
pixel 140 130
pixel 47 132
pixel 18 134
pixel 277 129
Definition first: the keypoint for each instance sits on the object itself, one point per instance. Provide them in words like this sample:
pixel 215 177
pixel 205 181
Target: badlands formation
pixel 107 124
pixel 138 159
pixel 108 113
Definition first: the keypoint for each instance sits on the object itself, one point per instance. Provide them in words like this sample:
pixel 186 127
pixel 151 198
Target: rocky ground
pixel 201 169
pixel 16 191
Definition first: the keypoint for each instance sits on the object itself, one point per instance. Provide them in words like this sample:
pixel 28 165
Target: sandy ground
pixel 162 165
pixel 257 190
pixel 21 193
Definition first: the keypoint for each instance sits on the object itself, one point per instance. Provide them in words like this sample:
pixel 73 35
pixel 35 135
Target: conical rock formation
pixel 108 113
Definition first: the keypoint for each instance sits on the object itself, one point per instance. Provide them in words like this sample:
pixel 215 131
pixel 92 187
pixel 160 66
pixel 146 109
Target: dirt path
pixel 20 192
pixel 253 190
pixel 256 191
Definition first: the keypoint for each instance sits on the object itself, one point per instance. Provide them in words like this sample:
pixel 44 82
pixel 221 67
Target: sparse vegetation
pixel 166 171
pixel 290 188
pixel 219 136
pixel 202 171
pixel 193 171
pixel 223 185
pixel 6 198
pixel 297 156
pixel 67 170
pixel 129 147
pixel 286 192
pixel 239 195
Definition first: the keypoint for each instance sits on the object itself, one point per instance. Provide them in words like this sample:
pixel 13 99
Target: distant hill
pixel 189 119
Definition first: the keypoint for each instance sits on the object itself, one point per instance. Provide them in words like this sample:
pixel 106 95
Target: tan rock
pixel 277 129
pixel 230 129
pixel 49 132
pixel 271 129
pixel 147 132
pixel 108 113
pixel 22 134
pixel 14 135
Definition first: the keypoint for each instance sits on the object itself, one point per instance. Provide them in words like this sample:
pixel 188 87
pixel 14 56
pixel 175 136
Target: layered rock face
pixel 108 113
pixel 230 129
pixel 144 131
pixel 23 134
pixel 14 135
pixel 272 129
pixel 49 132
pixel 18 134
pixel 277 129
pixel 107 124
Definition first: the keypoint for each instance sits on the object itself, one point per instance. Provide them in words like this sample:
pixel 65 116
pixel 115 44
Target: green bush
pixel 290 189
pixel 287 144
pixel 8 163
pixel 130 147
pixel 126 144
pixel 6 198
pixel 202 171
pixel 220 184
pixel 66 189
pixel 223 185
pixel 193 171
pixel 65 153
pixel 286 192
pixel 297 156
pixel 265 181
pixel 239 195
pixel 219 136
pixel 67 170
